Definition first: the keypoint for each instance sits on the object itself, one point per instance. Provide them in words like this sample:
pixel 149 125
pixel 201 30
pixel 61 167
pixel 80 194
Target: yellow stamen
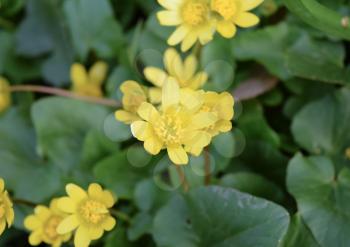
pixel 169 129
pixel 51 226
pixel 93 211
pixel 195 13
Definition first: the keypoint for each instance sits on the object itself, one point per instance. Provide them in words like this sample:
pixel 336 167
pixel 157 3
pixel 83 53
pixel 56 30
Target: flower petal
pixel 42 212
pixel 82 238
pixel 32 222
pixel 178 35
pixel 250 4
pixel 190 67
pixel 95 190
pixel 95 232
pixel 169 18
pixel 155 95
pixel 2 185
pixel 227 29
pixel 148 112
pixel 202 120
pixel 66 204
pixel 170 93
pixel 109 223
pixel 178 155
pixel 78 75
pixel 153 145
pixel 75 192
pixel 35 238
pixel 108 198
pixel 188 41
pixel 246 19
pixel 98 73
pixel 2 226
pixel 140 130
pixel 170 4
pixel 68 224
pixel 126 117
pixel 155 75
pixel 173 63
pixel 197 139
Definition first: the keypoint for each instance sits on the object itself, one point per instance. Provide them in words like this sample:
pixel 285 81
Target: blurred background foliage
pixel 285 158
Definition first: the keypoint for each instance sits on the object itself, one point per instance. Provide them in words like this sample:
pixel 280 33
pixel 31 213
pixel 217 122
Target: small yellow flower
pixel 88 83
pixel 43 224
pixel 88 213
pixel 193 21
pixel 5 94
pixel 7 214
pixel 234 12
pixel 347 153
pixel 185 73
pixel 177 126
pixel 133 96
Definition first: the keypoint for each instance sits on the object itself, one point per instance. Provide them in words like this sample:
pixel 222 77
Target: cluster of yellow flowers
pixel 199 19
pixel 175 114
pixel 86 213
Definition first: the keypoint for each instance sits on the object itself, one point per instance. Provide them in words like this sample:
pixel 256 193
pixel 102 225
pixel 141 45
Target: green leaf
pixel 23 171
pixel 42 32
pixel 102 33
pixel 323 198
pixel 253 184
pixel 219 217
pixel 119 175
pixel 321 127
pixel 318 61
pixel 61 125
pixel 298 234
pixel 319 16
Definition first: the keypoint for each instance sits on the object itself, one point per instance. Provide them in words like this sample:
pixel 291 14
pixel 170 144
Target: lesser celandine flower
pixel 88 83
pixel 193 21
pixel 7 214
pixel 133 96
pixel 5 94
pixel 89 214
pixel 230 13
pixel 177 126
pixel 43 225
pixel 184 72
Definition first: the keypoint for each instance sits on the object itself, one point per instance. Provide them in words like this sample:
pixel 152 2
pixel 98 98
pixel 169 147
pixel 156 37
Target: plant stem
pixel 64 93
pixel 182 178
pixel 120 215
pixel 207 169
pixel 24 202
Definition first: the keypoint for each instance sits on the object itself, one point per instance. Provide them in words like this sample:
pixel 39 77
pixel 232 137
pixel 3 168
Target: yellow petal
pixel 169 18
pixel 98 72
pixel 203 120
pixel 75 192
pixel 66 204
pixel 227 29
pixel 250 4
pixel 155 75
pixel 155 95
pixel 198 81
pixel 78 75
pixel 2 185
pixel 206 35
pixel 2 226
pixel 10 216
pixel 32 222
pixel 170 4
pixel 35 238
pixel 42 212
pixel 108 198
pixel 95 190
pixel 68 224
pixel 189 41
pixel 148 112
pixel 178 155
pixel 178 35
pixel 225 106
pixel 153 145
pixel 140 130
pixel 109 223
pixel 197 139
pixel 196 151
pixel 224 126
pixel 126 117
pixel 82 238
pixel 170 93
pixel 191 99
pixel 190 67
pixel 95 232
pixel 246 19
pixel 173 63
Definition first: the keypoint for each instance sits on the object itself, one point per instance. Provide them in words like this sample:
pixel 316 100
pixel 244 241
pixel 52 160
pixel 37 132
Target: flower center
pixel 226 8
pixel 51 226
pixel 93 211
pixel 169 129
pixel 195 13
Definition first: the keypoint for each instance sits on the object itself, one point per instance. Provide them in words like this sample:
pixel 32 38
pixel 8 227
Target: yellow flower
pixel 43 224
pixel 185 73
pixel 193 21
pixel 88 213
pixel 88 83
pixel 347 153
pixel 222 106
pixel 133 96
pixel 234 12
pixel 177 126
pixel 7 214
pixel 5 94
